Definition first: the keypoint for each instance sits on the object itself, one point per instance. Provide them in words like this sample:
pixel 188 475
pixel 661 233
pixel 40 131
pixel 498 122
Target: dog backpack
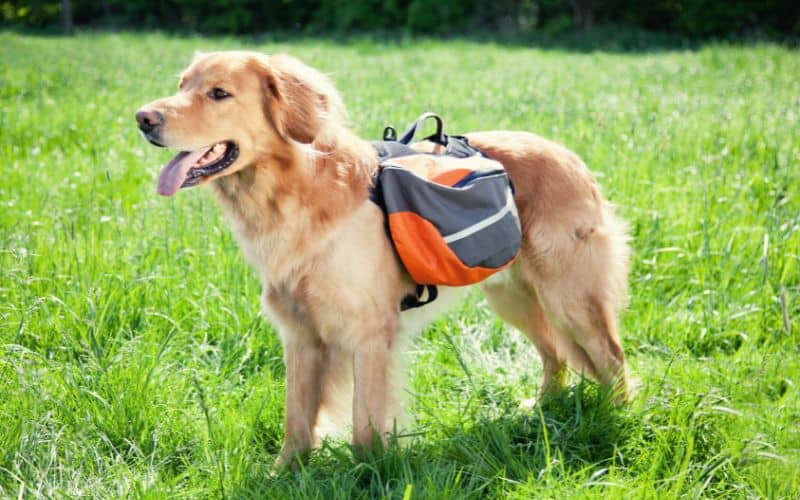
pixel 450 213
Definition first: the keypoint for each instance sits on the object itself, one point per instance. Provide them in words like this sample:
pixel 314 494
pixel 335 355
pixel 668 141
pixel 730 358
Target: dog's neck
pixel 295 196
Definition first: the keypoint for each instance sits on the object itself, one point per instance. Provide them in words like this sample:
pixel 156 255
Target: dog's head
pixel 234 110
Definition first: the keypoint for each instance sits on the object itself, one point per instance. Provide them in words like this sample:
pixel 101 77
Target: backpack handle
pixel 439 136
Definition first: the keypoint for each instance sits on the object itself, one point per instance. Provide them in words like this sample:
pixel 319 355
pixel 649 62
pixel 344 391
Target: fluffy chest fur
pixel 326 265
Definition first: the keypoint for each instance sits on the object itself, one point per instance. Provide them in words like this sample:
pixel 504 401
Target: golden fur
pixel 297 198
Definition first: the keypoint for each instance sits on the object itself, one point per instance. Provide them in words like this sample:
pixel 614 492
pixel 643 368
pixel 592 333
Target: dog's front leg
pixel 304 360
pixel 371 364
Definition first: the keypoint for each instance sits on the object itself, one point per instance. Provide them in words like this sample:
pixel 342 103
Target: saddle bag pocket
pixel 453 221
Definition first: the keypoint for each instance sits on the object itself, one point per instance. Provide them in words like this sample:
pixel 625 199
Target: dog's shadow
pixel 576 429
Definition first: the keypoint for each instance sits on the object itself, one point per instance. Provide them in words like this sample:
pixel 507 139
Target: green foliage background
pixel 691 18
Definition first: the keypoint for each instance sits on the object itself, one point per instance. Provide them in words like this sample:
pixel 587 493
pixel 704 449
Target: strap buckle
pixel 389 134
pixel 420 297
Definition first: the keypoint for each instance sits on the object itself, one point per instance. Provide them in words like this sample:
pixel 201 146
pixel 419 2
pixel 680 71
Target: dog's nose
pixel 149 119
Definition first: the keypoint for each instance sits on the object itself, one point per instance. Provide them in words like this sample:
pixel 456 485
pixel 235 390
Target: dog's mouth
pixel 190 168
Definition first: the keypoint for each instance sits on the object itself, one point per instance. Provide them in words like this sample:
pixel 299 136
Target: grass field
pixel 134 362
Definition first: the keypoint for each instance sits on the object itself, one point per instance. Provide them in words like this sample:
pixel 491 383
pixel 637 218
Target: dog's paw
pixel 289 459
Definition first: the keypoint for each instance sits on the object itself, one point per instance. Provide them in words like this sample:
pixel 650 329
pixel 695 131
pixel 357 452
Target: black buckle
pixel 419 298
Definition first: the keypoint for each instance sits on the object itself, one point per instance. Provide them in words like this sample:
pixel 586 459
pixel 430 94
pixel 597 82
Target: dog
pixel 268 135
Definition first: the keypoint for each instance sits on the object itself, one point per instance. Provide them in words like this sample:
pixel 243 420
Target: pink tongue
pixel 174 173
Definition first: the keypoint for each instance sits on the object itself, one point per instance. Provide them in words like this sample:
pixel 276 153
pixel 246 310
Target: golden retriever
pixel 268 135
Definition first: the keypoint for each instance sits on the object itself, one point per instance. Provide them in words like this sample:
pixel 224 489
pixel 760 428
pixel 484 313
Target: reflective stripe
pixel 469 231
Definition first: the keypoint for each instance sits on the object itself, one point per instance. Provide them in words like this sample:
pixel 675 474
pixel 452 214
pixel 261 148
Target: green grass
pixel 134 362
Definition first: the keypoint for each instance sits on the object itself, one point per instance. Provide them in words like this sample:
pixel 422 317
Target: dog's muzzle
pixel 150 122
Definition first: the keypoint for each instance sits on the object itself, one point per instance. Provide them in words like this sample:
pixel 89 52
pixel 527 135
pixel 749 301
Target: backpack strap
pixel 456 146
pixel 391 149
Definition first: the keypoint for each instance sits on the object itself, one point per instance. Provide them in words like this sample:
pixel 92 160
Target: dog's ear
pixel 297 99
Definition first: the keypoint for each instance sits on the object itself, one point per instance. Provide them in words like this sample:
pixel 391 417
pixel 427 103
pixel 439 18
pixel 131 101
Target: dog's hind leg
pixel 517 304
pixel 581 283
pixel 591 336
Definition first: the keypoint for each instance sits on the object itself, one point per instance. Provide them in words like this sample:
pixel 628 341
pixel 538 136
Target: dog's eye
pixel 218 94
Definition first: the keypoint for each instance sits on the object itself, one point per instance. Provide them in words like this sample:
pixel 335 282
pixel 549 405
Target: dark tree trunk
pixel 66 16
pixel 107 14
pixel 583 14
pixel 106 9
